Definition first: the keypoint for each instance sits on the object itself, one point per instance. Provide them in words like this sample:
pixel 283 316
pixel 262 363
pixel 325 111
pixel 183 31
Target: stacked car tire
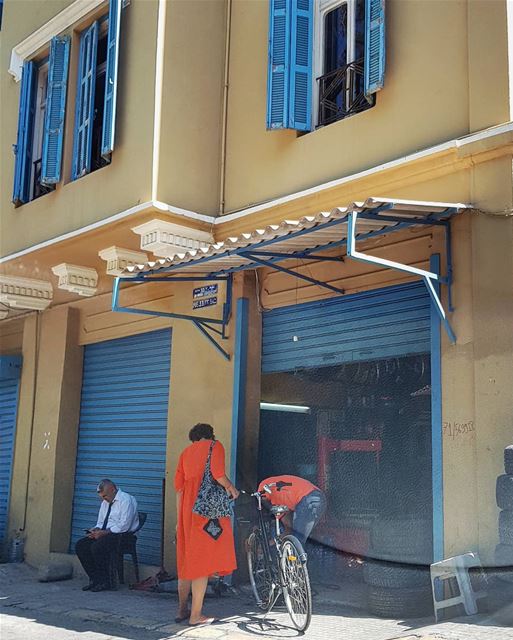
pixel 397 569
pixel 504 494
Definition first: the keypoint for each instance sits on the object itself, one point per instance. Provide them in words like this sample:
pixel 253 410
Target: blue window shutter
pixel 84 111
pixel 374 46
pixel 300 87
pixel 278 73
pixel 111 78
pixel 23 149
pixel 55 110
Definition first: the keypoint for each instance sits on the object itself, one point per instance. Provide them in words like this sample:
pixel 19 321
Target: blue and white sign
pixel 204 292
pixel 206 302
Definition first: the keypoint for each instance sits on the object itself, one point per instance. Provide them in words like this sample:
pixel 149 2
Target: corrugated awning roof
pixel 292 237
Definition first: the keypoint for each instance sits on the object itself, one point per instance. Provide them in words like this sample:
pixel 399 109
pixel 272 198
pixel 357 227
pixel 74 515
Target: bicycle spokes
pixel 296 584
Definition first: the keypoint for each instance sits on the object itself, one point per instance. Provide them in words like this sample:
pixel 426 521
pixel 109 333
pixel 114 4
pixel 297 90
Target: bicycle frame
pixel 263 529
pixel 277 584
pixel 277 563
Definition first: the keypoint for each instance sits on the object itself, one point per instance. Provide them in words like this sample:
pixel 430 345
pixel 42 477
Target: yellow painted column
pixel 54 435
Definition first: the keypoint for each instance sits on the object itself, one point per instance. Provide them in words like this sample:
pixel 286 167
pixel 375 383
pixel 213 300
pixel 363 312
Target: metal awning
pixel 307 239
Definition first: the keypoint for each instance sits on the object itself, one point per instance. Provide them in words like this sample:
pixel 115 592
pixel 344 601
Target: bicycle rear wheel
pixel 260 573
pixel 296 583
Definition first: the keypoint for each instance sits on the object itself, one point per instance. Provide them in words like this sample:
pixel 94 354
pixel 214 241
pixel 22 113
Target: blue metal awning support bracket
pixel 206 326
pixel 427 276
pixel 259 257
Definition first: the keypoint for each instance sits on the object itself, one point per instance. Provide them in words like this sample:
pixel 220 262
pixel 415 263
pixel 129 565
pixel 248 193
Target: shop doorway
pixel 346 403
pixel 361 432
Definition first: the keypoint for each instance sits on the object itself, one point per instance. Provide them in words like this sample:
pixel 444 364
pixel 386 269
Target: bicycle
pixel 277 565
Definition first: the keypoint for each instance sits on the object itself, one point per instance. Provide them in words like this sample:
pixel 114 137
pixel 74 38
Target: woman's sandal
pixel 206 621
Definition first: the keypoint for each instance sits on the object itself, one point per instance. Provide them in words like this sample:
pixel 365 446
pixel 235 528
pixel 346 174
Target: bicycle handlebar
pixel 279 485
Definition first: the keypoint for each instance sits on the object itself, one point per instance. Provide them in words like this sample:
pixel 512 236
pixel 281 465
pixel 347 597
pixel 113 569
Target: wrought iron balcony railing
pixel 38 188
pixel 341 93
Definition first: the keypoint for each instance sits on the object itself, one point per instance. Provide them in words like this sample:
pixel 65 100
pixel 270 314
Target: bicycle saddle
pixel 276 510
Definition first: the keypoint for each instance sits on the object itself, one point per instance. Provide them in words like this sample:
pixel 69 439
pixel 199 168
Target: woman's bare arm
pixel 231 489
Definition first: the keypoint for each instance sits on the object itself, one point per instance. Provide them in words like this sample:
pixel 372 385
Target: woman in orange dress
pixel 199 555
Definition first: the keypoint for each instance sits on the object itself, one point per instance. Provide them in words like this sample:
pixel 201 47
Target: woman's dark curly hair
pixel 201 430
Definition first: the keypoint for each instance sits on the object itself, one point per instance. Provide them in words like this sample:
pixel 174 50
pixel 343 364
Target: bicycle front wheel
pixel 260 573
pixel 296 583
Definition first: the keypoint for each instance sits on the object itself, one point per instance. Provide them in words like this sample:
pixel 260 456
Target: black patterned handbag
pixel 212 500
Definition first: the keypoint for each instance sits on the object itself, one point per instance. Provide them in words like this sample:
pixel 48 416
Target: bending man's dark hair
pixel 201 430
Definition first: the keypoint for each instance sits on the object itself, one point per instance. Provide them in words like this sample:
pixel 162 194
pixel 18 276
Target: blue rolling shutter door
pixel 111 79
pixel 22 166
pixel 382 323
pixel 84 111
pixel 55 110
pixel 374 46
pixel 9 385
pixel 123 430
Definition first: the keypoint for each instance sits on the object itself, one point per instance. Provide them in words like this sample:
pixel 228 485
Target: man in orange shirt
pixel 305 501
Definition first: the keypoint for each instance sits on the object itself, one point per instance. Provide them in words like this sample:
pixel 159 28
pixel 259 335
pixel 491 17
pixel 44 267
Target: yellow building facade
pixel 195 159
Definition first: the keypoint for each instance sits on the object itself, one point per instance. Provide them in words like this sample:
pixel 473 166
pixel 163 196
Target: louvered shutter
pixel 300 88
pixel 278 72
pixel 55 110
pixel 374 46
pixel 84 111
pixel 111 78
pixel 23 149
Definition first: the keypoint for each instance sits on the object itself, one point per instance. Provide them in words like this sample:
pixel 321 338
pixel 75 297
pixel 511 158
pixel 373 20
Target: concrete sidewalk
pixel 61 611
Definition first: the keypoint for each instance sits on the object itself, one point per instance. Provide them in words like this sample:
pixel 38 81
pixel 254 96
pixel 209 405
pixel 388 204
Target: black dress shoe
pixel 100 587
pixel 88 587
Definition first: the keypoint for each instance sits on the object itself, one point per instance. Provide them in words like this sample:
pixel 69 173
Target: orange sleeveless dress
pixel 197 553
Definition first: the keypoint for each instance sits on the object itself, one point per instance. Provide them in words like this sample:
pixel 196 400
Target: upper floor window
pixel 96 94
pixel 38 187
pixel 38 147
pixel 339 61
pixel 42 109
pixel 326 60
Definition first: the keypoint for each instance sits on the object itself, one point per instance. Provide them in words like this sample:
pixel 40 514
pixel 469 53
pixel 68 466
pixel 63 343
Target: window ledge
pixel 39 38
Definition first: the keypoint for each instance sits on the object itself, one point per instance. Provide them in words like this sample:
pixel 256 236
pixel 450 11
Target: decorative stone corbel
pixel 165 239
pixel 118 259
pixel 25 293
pixel 76 279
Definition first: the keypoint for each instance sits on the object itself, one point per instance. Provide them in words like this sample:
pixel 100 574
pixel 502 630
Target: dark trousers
pixel 95 556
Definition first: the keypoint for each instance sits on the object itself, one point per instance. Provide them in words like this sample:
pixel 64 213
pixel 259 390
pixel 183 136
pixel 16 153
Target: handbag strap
pixel 207 464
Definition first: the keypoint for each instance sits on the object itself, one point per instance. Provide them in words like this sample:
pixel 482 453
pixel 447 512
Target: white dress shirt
pixel 123 516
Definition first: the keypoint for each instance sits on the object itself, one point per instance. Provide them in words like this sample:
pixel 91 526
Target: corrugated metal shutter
pixel 389 322
pixel 123 430
pixel 9 386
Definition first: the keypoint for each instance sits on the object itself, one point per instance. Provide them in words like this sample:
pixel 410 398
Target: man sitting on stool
pixel 118 514
pixel 305 501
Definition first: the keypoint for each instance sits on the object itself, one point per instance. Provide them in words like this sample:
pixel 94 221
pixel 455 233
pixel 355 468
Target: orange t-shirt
pixel 289 496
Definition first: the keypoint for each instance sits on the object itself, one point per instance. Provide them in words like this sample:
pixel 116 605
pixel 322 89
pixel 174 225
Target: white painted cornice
pixel 25 293
pixel 165 239
pixel 76 279
pixel 118 259
pixel 59 23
